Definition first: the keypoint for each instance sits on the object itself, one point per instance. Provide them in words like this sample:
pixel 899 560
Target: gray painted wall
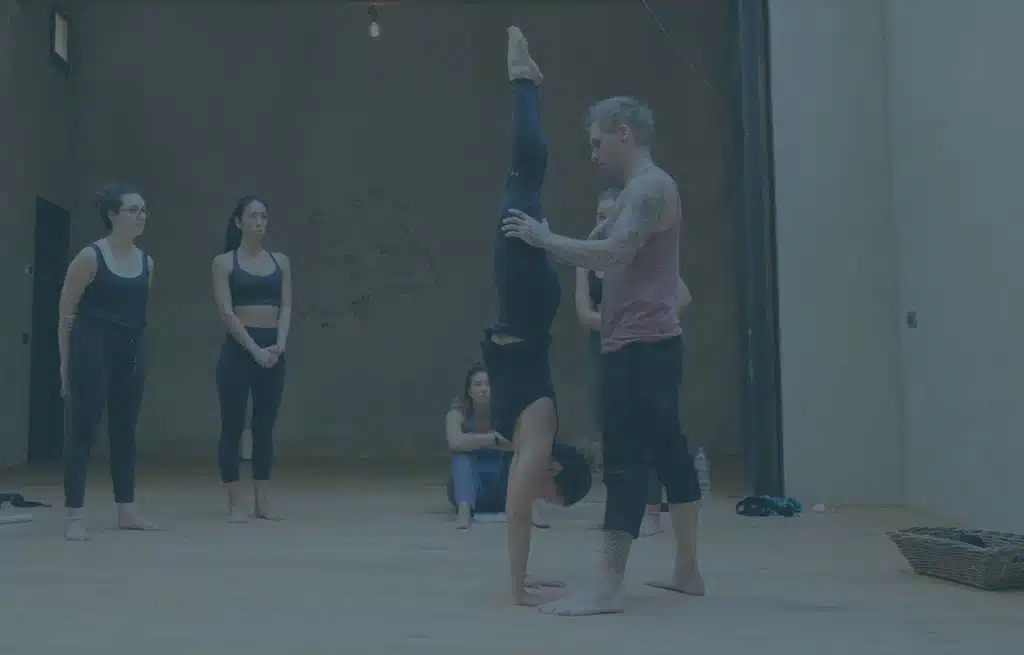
pixel 897 150
pixel 956 107
pixel 382 162
pixel 839 336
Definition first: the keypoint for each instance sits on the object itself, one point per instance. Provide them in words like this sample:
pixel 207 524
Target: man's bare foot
pixel 534 598
pixel 603 597
pixel 543 583
pixel 261 506
pixel 128 518
pixel 651 525
pixel 464 517
pixel 687 581
pixel 76 529
pixel 521 65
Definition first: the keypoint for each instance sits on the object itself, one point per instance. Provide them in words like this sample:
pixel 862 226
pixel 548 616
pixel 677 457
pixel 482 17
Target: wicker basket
pixel 943 553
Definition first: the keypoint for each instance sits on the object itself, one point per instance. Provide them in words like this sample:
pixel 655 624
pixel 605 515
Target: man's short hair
pixel 610 113
pixel 574 480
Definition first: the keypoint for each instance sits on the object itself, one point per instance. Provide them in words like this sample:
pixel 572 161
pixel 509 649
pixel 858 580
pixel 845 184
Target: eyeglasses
pixel 135 211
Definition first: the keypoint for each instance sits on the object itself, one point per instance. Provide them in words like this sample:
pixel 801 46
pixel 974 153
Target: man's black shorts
pixel 519 374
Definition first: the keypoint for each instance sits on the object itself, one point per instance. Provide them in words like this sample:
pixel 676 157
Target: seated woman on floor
pixel 480 456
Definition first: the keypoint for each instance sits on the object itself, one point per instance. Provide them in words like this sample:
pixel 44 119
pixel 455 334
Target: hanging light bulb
pixel 374 25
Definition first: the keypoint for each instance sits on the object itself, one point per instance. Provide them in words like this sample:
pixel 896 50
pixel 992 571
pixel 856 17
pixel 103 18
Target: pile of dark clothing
pixel 768 506
pixel 17 500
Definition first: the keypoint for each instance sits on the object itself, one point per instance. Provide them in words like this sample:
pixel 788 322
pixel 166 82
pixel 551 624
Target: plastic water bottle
pixel 702 463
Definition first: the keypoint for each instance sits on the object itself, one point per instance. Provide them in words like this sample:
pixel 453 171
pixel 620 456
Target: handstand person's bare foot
pixel 128 518
pixel 76 529
pixel 261 506
pixel 463 516
pixel 521 65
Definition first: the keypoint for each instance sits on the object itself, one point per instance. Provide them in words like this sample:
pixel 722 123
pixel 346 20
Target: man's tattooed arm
pixel 642 215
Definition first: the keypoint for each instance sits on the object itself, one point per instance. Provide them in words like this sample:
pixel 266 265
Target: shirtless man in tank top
pixel 641 351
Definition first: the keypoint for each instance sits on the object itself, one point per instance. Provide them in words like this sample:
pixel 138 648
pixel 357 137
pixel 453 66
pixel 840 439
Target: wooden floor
pixel 366 567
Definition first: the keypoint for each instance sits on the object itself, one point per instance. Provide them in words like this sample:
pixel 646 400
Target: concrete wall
pixel 35 120
pixel 382 162
pixel 839 334
pixel 956 111
pixel 898 145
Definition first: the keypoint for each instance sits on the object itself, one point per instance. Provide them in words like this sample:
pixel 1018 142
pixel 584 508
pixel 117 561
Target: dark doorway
pixel 49 263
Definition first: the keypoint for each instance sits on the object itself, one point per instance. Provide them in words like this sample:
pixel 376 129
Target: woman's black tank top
pixel 116 300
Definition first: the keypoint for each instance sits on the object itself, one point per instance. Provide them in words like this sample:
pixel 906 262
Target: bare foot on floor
pixel 237 515
pixel 129 519
pixel 265 514
pixel 261 508
pixel 598 599
pixel 533 598
pixel 543 583
pixel 76 530
pixel 651 525
pixel 689 582
pixel 464 517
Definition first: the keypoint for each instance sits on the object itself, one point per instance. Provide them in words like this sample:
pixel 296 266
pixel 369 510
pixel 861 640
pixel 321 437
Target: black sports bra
pixel 248 289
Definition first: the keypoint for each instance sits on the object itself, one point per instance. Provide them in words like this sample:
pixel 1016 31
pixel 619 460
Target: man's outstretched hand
pixel 526 228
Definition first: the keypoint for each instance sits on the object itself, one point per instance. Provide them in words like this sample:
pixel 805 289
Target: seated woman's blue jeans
pixel 480 479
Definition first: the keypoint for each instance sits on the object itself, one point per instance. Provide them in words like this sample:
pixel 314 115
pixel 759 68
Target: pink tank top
pixel 640 300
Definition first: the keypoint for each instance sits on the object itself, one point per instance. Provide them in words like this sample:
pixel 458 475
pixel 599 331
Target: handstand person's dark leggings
pixel 106 370
pixel 524 277
pixel 640 385
pixel 238 376
pixel 529 151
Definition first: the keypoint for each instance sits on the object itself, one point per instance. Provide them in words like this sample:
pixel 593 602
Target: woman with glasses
pixel 102 354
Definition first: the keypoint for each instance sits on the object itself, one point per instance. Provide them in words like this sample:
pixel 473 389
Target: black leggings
pixel 654 494
pixel 524 276
pixel 238 376
pixel 640 385
pixel 106 369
